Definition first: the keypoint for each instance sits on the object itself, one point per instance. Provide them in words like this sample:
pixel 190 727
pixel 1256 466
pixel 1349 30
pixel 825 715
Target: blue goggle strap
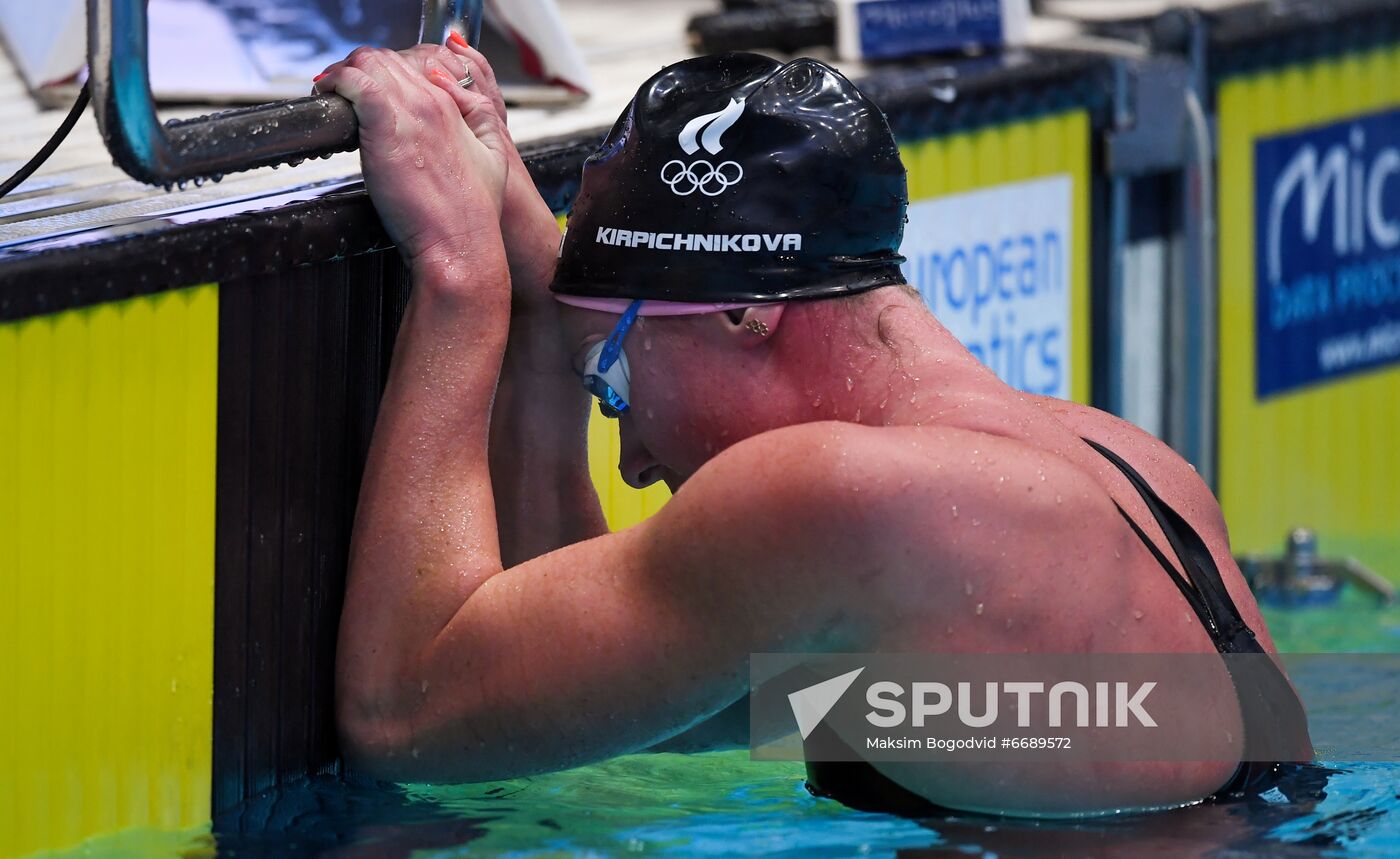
pixel 613 347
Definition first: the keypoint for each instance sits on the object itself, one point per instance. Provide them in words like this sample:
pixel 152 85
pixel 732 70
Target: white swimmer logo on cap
pixel 705 131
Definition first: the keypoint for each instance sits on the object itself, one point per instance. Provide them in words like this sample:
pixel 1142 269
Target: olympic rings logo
pixel 709 179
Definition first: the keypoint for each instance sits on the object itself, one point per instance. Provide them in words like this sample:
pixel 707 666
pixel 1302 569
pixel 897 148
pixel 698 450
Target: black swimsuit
pixel 1265 695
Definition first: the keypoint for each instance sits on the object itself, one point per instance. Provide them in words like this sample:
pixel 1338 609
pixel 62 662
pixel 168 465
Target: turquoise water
pixel 722 804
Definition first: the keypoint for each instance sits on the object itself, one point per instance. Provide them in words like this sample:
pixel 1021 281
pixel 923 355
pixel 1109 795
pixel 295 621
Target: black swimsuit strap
pixel 1203 587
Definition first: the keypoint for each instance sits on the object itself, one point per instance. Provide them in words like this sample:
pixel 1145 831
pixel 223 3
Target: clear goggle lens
pixel 611 385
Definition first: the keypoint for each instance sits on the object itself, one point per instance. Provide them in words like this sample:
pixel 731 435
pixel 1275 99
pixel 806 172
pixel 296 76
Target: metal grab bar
pixel 208 147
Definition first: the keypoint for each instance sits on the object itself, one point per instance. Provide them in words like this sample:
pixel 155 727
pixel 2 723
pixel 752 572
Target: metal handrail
pixel 207 147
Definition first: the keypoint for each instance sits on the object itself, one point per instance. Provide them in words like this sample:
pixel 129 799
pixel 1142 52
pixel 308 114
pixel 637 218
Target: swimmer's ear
pixel 754 325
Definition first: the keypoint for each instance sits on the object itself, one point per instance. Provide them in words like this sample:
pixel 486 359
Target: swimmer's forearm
pixel 539 456
pixel 425 532
pixel 531 236
pixel 545 498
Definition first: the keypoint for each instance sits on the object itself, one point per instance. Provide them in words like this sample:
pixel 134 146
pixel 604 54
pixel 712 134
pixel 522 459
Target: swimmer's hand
pixel 528 226
pixel 435 156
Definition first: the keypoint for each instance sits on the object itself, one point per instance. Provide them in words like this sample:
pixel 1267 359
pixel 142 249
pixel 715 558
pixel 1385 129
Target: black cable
pixel 48 148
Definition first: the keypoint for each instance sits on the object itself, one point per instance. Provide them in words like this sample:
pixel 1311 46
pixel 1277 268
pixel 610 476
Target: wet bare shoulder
pixel 886 506
pixel 1169 474
pixel 1176 481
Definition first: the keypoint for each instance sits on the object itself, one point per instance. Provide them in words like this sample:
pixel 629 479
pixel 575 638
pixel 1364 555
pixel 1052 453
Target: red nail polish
pixel 318 77
pixel 456 37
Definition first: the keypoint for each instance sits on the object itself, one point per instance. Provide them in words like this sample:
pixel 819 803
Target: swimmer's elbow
pixel 380 722
pixel 392 735
pixel 371 742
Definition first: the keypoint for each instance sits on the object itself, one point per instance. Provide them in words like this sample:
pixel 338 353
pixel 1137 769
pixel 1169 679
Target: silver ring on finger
pixel 468 80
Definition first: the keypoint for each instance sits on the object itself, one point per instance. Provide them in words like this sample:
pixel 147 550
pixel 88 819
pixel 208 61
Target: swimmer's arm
pixel 425 528
pixel 539 423
pixel 425 535
pixel 545 497
pixel 727 729
pixel 615 644
pixel 730 728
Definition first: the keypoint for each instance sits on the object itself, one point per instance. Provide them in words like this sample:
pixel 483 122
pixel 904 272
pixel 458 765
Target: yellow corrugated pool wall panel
pixel 1014 152
pixel 107 447
pixel 622 504
pixel 1325 457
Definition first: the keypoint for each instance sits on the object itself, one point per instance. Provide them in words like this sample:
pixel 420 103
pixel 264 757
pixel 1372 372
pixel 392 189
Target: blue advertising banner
pixel 899 28
pixel 1327 252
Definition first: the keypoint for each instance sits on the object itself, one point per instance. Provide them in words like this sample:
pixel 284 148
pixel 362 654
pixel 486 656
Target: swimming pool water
pixel 722 804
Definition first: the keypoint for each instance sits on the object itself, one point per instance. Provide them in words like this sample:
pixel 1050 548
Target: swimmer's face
pixel 695 390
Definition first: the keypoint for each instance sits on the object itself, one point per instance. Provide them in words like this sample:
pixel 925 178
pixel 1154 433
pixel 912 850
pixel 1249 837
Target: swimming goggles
pixel 605 372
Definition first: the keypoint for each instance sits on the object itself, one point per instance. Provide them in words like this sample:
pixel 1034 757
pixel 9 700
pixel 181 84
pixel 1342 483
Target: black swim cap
pixel 736 178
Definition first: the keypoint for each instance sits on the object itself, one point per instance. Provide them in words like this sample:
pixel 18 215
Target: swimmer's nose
pixel 645 478
pixel 638 467
pixel 639 470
